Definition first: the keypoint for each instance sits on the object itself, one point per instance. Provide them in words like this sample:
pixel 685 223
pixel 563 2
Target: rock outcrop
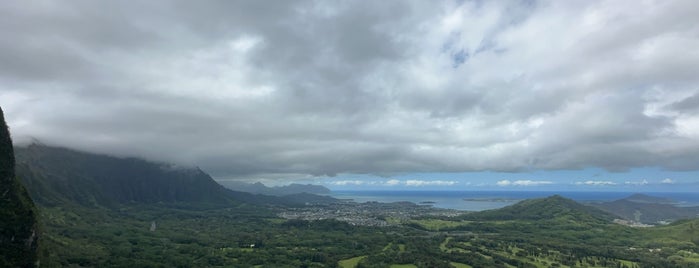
pixel 18 225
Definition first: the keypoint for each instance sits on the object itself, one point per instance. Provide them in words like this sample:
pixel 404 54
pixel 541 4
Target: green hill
pixel 549 208
pixel 18 225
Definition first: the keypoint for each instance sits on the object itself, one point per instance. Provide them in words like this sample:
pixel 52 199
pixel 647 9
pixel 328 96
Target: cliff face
pixel 18 232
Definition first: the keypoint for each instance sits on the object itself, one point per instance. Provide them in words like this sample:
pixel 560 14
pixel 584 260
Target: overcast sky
pixel 313 89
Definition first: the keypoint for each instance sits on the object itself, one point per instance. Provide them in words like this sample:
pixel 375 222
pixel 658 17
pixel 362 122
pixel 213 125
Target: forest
pixel 245 236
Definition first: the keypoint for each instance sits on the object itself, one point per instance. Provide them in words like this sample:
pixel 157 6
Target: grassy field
pixel 351 262
pixel 403 266
pixel 443 245
pixel 460 265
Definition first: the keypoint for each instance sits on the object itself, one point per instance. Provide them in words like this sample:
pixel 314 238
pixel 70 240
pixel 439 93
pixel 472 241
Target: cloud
pixel 414 183
pixel 522 183
pixel 242 88
pixel 346 182
pixel 504 183
pixel 642 182
pixel 596 183
pixel 392 182
pixel 429 183
pixel 667 181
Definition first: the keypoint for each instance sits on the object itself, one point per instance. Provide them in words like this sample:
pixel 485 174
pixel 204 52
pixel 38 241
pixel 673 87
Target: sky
pixel 597 95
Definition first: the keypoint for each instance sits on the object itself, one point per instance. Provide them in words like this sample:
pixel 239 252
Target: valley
pixel 87 225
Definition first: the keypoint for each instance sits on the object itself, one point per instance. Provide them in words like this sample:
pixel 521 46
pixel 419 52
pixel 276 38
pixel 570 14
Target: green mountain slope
pixel 18 225
pixel 103 211
pixel 549 208
pixel 55 176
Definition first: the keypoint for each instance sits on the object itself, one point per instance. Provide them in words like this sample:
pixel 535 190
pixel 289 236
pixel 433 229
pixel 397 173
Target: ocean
pixel 484 200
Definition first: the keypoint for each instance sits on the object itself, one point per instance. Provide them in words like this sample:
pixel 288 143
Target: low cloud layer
pixel 522 183
pixel 596 183
pixel 313 88
pixel 393 183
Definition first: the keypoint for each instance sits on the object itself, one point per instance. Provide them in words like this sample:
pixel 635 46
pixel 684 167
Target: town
pixel 367 214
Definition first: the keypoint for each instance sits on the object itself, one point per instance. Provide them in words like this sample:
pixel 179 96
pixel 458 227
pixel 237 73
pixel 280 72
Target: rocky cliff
pixel 18 227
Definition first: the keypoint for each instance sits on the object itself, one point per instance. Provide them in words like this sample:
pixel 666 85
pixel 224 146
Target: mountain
pixel 549 208
pixel 259 188
pixel 55 176
pixel 18 227
pixel 647 209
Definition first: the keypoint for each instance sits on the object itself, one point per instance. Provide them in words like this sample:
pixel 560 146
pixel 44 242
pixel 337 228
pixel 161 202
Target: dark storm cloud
pixel 243 88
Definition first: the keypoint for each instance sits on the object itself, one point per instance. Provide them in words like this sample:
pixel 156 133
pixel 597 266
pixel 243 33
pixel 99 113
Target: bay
pixel 484 200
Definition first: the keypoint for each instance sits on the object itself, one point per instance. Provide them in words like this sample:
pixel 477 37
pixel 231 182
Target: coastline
pixel 485 200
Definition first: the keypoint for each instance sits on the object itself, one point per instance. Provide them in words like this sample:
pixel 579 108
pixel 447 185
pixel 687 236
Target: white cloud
pixel 429 183
pixel 394 86
pixel 346 182
pixel 642 182
pixel 392 182
pixel 504 183
pixel 522 183
pixel 531 183
pixel 667 181
pixel 596 183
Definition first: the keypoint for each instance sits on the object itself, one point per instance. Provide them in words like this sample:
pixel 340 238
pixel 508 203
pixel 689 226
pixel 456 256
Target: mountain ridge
pixel 18 215
pixel 56 176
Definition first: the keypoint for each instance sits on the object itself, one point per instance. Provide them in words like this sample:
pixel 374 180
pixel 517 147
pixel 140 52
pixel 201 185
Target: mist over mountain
pixel 56 176
pixel 259 188
pixel 18 223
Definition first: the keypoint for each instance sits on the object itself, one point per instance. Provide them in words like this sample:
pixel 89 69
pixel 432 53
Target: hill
pixel 549 208
pixel 55 175
pixel 259 188
pixel 647 209
pixel 18 227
